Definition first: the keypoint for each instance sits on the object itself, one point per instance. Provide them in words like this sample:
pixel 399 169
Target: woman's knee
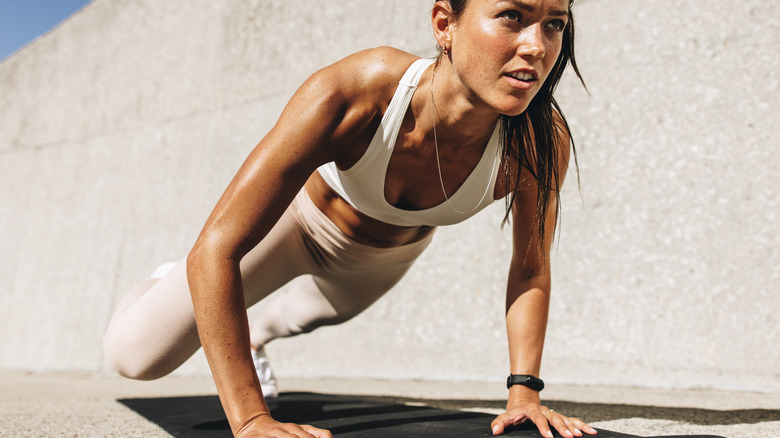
pixel 127 359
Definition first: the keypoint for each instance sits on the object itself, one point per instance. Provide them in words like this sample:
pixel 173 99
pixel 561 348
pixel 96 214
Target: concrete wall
pixel 121 128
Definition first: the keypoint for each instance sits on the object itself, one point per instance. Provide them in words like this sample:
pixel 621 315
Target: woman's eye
pixel 511 15
pixel 557 24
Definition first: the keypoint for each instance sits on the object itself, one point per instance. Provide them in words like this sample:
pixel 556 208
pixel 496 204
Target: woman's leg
pixel 317 301
pixel 348 278
pixel 153 330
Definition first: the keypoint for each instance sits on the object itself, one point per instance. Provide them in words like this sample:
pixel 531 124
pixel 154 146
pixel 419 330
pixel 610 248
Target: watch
pixel 532 382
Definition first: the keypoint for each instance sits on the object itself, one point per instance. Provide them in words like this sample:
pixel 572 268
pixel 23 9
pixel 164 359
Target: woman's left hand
pixel 543 417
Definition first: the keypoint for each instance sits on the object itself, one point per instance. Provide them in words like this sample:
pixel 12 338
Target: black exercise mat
pixel 344 416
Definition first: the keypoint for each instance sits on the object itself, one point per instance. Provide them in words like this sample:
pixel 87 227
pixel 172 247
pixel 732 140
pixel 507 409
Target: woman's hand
pixel 264 426
pixel 523 410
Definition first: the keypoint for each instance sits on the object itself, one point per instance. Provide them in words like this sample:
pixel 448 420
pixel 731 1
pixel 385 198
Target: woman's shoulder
pixel 383 61
pixel 371 73
pixel 376 65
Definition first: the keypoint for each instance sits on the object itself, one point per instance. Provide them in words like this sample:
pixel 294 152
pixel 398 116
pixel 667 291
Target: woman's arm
pixel 318 125
pixel 255 199
pixel 527 306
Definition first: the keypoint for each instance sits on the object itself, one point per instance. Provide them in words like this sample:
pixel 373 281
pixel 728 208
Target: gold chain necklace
pixel 434 113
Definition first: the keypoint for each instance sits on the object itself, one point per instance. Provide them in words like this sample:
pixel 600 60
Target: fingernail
pixel 549 434
pixel 495 429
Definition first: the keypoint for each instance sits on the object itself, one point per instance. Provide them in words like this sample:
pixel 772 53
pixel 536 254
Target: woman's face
pixel 503 50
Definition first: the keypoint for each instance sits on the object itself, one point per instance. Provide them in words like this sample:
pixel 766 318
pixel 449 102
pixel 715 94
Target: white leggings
pixel 153 330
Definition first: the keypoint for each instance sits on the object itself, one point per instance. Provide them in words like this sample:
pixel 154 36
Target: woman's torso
pixel 414 175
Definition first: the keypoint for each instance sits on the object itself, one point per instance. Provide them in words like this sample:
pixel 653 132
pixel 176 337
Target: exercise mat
pixel 344 416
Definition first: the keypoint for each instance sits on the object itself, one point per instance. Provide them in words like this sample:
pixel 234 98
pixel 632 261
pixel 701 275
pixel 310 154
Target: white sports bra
pixel 363 184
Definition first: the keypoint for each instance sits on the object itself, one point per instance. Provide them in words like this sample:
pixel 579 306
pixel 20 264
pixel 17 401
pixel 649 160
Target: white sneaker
pixel 163 269
pixel 264 373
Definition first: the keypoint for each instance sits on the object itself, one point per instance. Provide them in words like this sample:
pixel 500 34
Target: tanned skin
pixel 333 117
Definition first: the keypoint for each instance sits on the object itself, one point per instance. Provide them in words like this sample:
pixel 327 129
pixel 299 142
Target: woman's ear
pixel 442 20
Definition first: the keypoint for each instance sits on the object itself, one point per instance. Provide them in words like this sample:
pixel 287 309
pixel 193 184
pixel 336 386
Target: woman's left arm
pixel 527 306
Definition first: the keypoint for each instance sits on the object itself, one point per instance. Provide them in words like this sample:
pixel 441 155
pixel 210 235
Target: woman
pixel 369 156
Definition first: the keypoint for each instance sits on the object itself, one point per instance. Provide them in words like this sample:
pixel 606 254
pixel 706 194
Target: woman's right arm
pixel 326 112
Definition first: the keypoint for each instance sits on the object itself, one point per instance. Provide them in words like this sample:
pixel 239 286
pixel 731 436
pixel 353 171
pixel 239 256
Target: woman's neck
pixel 461 119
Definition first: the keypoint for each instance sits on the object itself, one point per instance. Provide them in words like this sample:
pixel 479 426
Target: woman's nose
pixel 531 42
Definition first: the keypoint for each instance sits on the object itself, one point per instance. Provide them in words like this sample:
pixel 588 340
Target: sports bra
pixel 363 184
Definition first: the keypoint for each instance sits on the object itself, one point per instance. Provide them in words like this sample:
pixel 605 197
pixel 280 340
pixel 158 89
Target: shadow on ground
pixel 594 412
pixel 384 417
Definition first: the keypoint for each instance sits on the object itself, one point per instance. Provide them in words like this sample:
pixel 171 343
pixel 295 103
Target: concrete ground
pixel 84 405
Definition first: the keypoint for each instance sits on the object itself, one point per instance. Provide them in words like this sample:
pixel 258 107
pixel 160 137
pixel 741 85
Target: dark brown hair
pixel 532 137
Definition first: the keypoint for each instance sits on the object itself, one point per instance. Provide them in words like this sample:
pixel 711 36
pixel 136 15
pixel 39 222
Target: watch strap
pixel 526 380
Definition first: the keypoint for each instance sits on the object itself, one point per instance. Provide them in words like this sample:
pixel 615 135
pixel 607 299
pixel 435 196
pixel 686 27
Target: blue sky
pixel 21 21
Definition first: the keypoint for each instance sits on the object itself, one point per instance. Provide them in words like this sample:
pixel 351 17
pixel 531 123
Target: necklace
pixel 434 113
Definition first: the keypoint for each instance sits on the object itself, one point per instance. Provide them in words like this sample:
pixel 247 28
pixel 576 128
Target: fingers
pixel 542 423
pixel 568 427
pixel 563 425
pixel 304 431
pixel 582 426
pixel 282 430
pixel 544 418
pixel 317 433
pixel 497 425
pixel 500 423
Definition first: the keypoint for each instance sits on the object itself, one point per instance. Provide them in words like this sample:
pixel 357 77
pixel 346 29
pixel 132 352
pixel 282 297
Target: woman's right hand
pixel 266 427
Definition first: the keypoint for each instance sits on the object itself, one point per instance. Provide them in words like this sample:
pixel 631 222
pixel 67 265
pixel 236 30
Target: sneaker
pixel 163 269
pixel 264 373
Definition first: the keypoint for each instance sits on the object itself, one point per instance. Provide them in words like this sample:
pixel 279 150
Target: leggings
pixel 153 330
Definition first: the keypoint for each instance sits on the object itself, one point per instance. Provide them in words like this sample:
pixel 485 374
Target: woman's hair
pixel 532 137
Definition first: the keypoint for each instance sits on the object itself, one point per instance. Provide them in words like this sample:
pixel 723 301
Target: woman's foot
pixel 264 373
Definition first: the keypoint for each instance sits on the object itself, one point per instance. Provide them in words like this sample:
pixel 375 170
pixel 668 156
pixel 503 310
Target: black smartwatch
pixel 532 382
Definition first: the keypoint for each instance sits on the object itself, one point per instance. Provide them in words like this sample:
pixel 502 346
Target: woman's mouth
pixel 525 77
pixel 522 80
